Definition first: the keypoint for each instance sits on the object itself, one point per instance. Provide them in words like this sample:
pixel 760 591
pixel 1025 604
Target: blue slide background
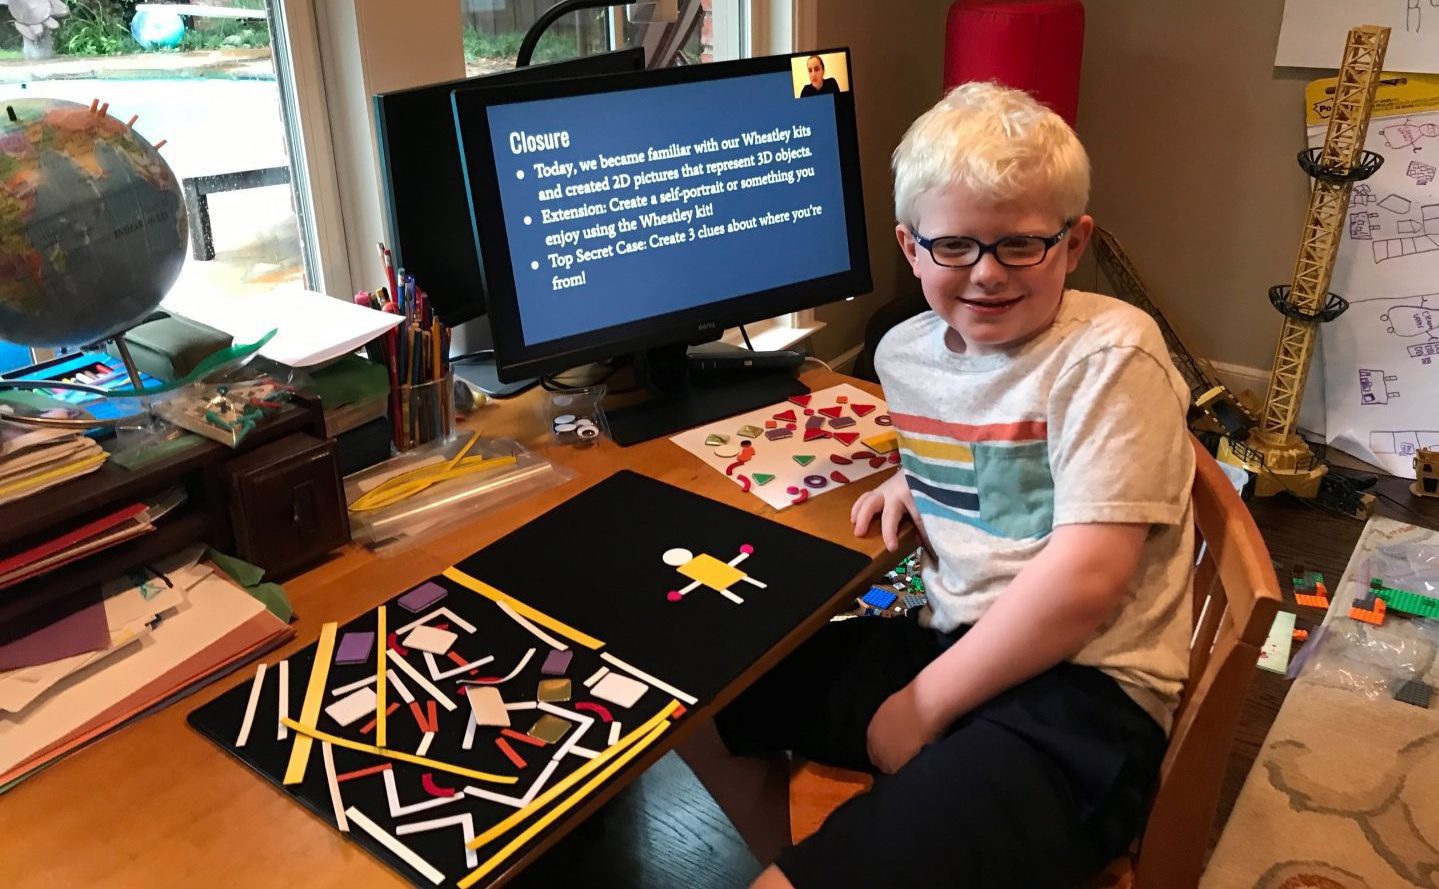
pixel 660 280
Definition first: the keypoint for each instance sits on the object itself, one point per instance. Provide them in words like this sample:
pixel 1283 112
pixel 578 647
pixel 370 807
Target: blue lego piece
pixel 878 597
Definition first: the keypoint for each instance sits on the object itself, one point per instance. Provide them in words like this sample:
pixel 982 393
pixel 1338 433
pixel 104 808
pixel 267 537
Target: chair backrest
pixel 1236 595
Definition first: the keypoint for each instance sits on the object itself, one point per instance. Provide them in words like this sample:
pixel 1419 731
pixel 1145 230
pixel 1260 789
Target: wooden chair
pixel 1236 596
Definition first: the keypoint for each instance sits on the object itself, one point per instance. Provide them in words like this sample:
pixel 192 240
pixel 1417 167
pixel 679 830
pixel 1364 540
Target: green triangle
pixel 762 478
pixel 804 459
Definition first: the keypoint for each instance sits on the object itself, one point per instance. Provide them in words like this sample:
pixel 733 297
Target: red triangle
pixel 861 409
pixel 801 400
pixel 786 416
pixel 832 412
pixel 812 434
pixel 838 476
pixel 846 438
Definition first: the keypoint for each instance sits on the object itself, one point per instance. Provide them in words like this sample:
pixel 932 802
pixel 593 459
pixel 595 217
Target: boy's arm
pixel 1050 610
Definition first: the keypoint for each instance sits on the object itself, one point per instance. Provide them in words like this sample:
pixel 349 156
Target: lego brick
pixel 1415 692
pixel 878 597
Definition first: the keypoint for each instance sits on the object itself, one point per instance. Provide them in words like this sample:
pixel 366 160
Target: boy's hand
pixel 891 501
pixel 897 731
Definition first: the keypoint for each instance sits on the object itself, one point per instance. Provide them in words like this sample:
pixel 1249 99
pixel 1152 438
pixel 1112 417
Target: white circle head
pixel 677 557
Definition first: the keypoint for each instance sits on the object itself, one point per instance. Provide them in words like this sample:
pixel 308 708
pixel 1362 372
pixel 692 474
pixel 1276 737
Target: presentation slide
pixel 627 205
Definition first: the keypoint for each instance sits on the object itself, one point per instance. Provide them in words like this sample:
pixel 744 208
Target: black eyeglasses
pixel 1015 251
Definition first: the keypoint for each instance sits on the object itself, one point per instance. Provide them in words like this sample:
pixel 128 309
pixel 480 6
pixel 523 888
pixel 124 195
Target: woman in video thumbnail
pixel 818 83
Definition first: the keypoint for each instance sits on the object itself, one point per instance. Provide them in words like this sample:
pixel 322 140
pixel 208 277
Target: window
pixel 209 86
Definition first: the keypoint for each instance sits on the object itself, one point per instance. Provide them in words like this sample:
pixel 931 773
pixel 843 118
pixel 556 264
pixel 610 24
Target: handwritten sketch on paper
pixel 1380 364
pixel 1312 33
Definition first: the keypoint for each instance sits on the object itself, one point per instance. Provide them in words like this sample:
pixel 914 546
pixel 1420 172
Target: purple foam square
pixel 814 422
pixel 556 663
pixel 422 596
pixel 842 422
pixel 354 648
pixel 777 434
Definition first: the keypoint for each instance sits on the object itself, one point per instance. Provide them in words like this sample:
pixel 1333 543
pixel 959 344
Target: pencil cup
pixel 427 412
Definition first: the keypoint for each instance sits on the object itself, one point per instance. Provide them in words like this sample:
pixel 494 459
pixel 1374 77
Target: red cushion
pixel 1033 45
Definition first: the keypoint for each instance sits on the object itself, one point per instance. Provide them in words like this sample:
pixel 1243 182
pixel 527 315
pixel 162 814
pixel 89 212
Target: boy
pixel 1020 723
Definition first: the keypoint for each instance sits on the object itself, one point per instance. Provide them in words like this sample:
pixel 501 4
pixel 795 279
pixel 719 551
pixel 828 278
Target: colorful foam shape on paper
pixel 487 705
pixel 804 459
pixel 831 412
pixel 353 707
pixel 431 639
pixel 618 689
pixel 882 444
pixel 554 691
pixel 801 400
pixel 846 438
pixel 549 728
pixel 861 409
pixel 711 572
pixel 422 596
pixel 354 648
pixel 786 416
pixel 556 662
pixel 763 478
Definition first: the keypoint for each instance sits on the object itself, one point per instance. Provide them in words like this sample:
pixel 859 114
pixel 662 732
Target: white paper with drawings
pixel 1381 357
pixel 1313 31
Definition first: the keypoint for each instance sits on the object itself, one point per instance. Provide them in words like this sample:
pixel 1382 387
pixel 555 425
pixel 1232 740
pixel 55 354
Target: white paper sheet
pixel 1381 358
pixel 312 327
pixel 1313 31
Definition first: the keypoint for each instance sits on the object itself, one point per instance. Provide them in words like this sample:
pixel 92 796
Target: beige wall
pixel 897 50
pixel 1192 132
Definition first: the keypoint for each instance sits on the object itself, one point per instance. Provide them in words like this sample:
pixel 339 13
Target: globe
pixel 92 224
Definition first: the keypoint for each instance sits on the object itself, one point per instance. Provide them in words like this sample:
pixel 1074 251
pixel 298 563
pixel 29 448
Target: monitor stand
pixel 475 336
pixel 680 400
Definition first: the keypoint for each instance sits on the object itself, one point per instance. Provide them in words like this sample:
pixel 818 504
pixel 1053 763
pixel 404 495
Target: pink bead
pixel 746 549
pixel 674 596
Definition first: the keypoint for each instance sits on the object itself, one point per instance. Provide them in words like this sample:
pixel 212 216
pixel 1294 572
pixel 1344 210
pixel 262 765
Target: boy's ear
pixel 909 246
pixel 1077 240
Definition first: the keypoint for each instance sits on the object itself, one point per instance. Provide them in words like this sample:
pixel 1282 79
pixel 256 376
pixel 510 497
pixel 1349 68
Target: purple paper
pixel 556 663
pixel 422 596
pixel 354 648
pixel 76 633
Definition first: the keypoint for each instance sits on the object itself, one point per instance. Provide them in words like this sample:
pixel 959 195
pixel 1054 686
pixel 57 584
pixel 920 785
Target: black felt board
pixel 593 563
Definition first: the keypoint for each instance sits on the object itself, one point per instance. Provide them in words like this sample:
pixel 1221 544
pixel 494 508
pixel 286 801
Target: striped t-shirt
pixel 1084 423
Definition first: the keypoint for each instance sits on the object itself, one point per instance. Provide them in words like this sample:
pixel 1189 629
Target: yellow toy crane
pixel 1281 460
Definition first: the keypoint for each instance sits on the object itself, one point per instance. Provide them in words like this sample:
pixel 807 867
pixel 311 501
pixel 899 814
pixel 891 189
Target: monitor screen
pixel 630 211
pixel 424 185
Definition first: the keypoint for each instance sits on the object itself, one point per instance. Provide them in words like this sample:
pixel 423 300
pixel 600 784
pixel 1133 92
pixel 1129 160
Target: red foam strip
pixel 427 781
pixel 523 738
pixel 729 470
pixel 433 724
pixel 460 660
pixel 744 483
pixel 599 709
pixel 510 753
pixel 803 496
pixel 393 643
pixel 419 715
pixel 360 773
pixel 370 726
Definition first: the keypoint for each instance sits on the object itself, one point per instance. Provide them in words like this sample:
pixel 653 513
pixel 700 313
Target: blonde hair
pixel 995 141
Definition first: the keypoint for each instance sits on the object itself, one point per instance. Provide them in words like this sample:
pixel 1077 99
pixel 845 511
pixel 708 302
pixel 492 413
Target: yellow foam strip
pixel 572 779
pixel 399 755
pixel 500 857
pixel 310 712
pixel 538 617
pixel 58 472
pixel 380 677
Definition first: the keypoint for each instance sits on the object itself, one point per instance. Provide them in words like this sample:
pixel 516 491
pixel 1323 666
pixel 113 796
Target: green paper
pixel 248 576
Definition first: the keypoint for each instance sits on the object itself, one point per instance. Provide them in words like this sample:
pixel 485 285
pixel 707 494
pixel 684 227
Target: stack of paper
pixel 142 640
pixel 33 459
pixel 103 533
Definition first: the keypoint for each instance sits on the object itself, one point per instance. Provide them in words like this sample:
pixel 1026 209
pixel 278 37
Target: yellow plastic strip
pixel 538 617
pixel 501 856
pixel 572 779
pixel 408 484
pixel 58 472
pixel 400 755
pixel 310 712
pixel 380 639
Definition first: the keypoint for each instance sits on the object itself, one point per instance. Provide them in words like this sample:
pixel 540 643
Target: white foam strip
pixel 327 753
pixel 422 682
pixel 353 686
pixel 481 793
pixel 640 674
pixel 583 752
pixel 540 782
pixel 469 741
pixel 753 582
pixel 731 596
pixel 392 795
pixel 465 822
pixel 255 684
pixel 539 634
pixel 404 852
pixel 283 731
pixel 522 705
pixel 599 674
pixel 442 610
pixel 425 744
pixel 511 675
pixel 397 685
pixel 436 673
pixel 574 737
pixel 614 733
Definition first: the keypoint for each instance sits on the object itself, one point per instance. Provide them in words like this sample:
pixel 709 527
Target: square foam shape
pixel 356 705
pixel 427 638
pixel 549 728
pixel 422 596
pixel 619 690
pixel 556 663
pixel 354 648
pixel 488 706
pixel 554 691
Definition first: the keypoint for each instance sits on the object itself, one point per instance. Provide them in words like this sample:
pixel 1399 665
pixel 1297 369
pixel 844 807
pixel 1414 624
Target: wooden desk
pixel 157 804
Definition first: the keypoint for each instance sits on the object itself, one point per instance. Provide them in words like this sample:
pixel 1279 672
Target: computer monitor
pixel 636 213
pixel 424 185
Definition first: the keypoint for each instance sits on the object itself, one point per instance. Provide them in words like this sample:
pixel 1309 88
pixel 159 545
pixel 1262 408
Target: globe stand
pixel 81 424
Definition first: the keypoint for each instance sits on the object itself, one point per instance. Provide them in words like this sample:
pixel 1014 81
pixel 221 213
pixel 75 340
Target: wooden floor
pixel 667 830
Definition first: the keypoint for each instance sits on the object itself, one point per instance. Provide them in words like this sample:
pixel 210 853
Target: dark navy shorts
pixel 1042 786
